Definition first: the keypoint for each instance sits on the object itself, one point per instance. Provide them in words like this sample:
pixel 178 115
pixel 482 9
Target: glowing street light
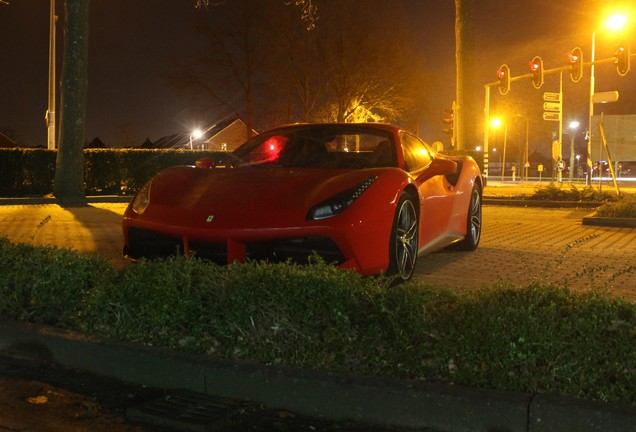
pixel 196 134
pixel 615 22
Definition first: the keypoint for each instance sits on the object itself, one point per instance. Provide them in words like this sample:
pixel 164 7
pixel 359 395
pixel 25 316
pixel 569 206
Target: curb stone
pixel 52 200
pixel 610 222
pixel 540 203
pixel 314 393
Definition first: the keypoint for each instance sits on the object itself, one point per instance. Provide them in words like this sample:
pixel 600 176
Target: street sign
pixel 551 97
pixel 552 106
pixel 561 165
pixel 556 150
pixel 605 97
pixel 552 116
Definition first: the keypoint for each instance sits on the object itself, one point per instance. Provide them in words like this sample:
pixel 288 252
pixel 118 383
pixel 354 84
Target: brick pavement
pixel 93 228
pixel 519 246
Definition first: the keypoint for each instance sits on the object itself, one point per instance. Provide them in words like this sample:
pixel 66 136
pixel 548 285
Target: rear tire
pixel 403 244
pixel 473 224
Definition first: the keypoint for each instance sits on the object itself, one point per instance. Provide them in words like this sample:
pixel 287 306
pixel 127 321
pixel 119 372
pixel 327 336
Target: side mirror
pixel 437 167
pixel 206 162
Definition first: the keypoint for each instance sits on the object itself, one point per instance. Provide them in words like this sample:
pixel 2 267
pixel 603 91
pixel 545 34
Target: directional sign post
pixel 552 106
pixel 551 116
pixel 552 97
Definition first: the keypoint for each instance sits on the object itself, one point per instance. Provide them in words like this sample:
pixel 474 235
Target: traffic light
pixel 449 119
pixel 503 73
pixel 622 58
pixel 536 68
pixel 576 64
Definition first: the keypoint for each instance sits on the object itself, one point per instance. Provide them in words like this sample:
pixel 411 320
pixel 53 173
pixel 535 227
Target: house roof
pixel 6 142
pixel 182 140
pixel 95 144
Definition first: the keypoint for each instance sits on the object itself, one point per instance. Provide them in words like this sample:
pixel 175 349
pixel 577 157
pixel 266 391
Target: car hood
pixel 239 195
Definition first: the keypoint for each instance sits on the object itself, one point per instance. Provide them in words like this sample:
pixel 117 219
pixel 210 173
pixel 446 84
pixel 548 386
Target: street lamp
pixel 572 132
pixel 496 123
pixel 526 163
pixel 615 22
pixel 196 134
pixel 50 113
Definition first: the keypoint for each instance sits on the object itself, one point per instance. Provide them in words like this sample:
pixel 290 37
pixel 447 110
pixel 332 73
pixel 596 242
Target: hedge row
pixel 534 339
pixel 30 172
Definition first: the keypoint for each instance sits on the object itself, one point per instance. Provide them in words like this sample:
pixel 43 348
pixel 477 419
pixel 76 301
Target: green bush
pixel 555 192
pixel 46 284
pixel 531 339
pixel 623 208
pixel 30 172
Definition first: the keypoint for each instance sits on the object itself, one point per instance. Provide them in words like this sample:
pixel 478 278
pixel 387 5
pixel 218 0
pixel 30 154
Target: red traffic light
pixel 576 64
pixel 536 68
pixel 503 74
pixel 622 58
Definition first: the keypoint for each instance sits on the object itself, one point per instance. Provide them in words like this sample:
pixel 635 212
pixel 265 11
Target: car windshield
pixel 318 147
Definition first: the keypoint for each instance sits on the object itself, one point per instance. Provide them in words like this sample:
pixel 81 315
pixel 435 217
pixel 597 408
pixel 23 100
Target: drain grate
pixel 185 410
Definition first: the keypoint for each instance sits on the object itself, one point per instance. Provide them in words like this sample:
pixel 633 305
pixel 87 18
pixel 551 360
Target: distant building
pixel 225 136
pixel 95 144
pixel 620 133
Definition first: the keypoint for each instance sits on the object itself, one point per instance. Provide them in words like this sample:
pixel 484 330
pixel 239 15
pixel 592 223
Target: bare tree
pixel 229 72
pixel 358 64
pixel 308 9
pixel 69 167
pixel 371 62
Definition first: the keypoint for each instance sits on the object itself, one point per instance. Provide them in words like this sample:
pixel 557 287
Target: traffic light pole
pixel 486 129
pixel 487 87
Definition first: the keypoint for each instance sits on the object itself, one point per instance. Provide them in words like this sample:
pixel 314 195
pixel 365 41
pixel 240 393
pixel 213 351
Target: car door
pixel 437 195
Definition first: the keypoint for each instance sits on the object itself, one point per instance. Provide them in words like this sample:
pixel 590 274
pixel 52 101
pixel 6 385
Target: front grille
pixel 149 244
pixel 298 250
pixel 143 243
pixel 215 252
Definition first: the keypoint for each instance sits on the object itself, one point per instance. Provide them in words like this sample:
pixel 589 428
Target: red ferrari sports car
pixel 369 197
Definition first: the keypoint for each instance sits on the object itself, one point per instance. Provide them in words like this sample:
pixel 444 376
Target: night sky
pixel 133 44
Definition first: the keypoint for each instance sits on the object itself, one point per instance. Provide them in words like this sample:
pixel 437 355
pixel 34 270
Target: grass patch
pixel 533 339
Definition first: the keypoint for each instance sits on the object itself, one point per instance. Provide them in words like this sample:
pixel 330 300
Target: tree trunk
pixel 466 112
pixel 68 186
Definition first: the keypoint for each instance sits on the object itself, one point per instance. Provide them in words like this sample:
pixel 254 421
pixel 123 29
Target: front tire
pixel 473 224
pixel 403 245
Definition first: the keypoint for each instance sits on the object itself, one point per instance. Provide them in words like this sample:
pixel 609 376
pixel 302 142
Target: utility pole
pixel 50 113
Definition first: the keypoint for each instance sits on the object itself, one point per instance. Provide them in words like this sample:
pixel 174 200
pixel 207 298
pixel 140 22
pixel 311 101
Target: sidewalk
pixel 392 403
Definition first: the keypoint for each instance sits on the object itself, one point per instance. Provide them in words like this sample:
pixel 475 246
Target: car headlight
pixel 340 202
pixel 142 199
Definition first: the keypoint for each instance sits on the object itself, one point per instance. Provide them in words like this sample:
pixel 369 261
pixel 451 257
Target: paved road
pixel 519 246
